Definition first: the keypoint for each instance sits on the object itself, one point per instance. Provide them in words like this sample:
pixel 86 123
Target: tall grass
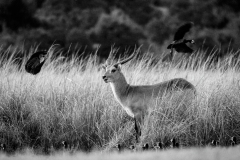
pixel 69 101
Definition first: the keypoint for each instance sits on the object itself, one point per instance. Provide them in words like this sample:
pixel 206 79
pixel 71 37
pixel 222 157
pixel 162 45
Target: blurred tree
pixel 15 14
pixel 139 10
pixel 79 42
pixel 231 5
pixel 33 5
pixel 159 30
pixel 123 23
pixel 119 35
pixel 116 28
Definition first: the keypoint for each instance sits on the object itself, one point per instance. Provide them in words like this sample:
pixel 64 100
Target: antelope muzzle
pixel 105 79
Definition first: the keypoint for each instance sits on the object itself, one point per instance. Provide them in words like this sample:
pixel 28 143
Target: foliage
pixel 87 23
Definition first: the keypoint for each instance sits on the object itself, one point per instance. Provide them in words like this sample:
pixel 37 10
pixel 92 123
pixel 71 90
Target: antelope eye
pixel 114 70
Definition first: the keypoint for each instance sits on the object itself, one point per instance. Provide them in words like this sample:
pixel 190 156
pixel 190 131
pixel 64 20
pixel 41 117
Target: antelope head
pixel 113 72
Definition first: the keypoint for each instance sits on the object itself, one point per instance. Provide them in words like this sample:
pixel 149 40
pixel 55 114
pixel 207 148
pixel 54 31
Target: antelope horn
pixel 107 63
pixel 110 56
pixel 128 59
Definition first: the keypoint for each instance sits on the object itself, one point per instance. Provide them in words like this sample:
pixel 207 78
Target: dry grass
pixel 65 102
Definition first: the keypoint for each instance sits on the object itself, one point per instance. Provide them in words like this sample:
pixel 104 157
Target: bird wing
pixel 182 30
pixel 183 48
pixel 31 64
pixel 174 43
pixel 169 46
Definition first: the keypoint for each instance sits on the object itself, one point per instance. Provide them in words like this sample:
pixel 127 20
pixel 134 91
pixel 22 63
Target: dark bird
pixel 35 62
pixel 214 143
pixel 2 147
pixel 119 147
pixel 233 141
pixel 145 147
pixel 158 146
pixel 179 44
pixel 64 145
pixel 174 143
pixel 132 147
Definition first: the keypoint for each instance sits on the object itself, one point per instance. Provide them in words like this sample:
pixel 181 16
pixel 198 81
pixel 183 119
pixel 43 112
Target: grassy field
pixel 70 102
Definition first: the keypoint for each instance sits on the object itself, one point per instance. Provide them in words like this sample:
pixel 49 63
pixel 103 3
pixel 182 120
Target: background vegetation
pixel 70 102
pixel 85 24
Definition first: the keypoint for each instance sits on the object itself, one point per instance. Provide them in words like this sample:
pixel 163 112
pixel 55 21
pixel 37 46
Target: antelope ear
pixel 118 66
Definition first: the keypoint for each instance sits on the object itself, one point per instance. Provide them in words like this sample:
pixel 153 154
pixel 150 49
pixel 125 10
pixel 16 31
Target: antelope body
pixel 136 100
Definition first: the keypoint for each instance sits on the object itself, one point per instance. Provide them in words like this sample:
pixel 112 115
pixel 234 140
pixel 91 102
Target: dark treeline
pixel 86 24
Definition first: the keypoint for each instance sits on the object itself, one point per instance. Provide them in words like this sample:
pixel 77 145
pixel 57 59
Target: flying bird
pixel 145 146
pixel 174 143
pixel 35 62
pixel 158 146
pixel 233 141
pixel 179 44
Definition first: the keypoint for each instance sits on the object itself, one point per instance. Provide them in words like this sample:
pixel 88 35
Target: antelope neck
pixel 120 88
